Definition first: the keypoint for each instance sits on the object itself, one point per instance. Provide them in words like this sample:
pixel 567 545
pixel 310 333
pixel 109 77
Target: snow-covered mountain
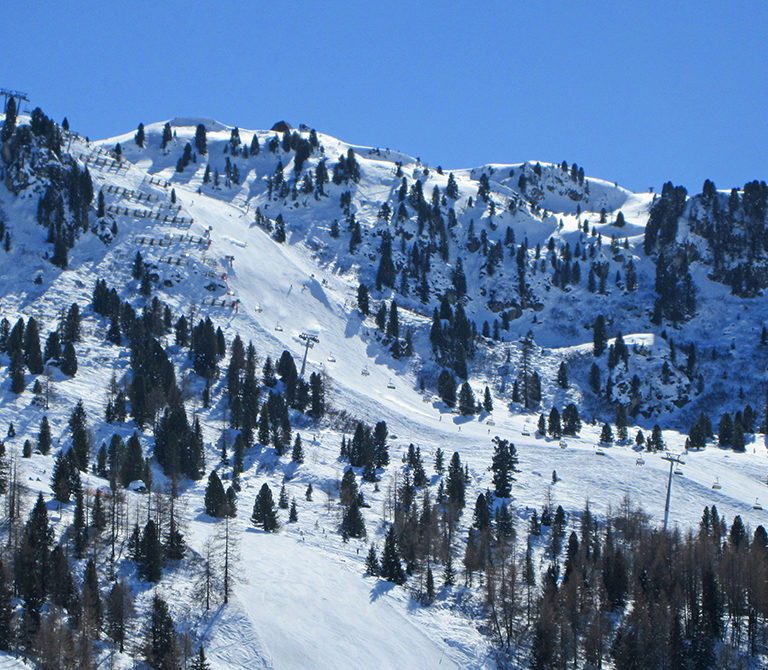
pixel 499 274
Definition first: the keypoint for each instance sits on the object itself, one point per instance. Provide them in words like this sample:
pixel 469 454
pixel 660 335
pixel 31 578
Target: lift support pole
pixel 672 460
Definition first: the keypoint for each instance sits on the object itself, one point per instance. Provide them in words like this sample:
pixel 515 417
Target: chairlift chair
pixel 757 505
pixel 279 328
pixel 717 486
pixel 364 372
pixel 390 385
pixel 640 461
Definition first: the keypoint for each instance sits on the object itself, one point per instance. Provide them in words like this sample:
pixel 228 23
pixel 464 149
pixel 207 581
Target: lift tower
pixel 309 342
pixel 673 459
pixel 18 96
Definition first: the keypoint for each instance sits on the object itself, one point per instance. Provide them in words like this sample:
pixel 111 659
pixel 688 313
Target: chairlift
pixel 279 328
pixel 678 470
pixel 640 461
pixel 757 505
pixel 526 432
pixel 364 372
pixel 390 385
pixel 717 486
pixel 599 451
pixel 331 358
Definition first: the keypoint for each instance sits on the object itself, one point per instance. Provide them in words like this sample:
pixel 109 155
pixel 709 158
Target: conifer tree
pixel 6 610
pixel 150 553
pixel 449 575
pixel 44 436
pixel 391 568
pixel 553 425
pixel 167 135
pixel 372 562
pixel 215 497
pixel 161 648
pixel 69 360
pixel 201 143
pixel 16 372
pixel 32 561
pixel 118 611
pixel 487 401
pixel 33 357
pixel 139 137
pixel 362 299
pixel 264 512
pixel 598 336
pixel 466 399
pixel 504 466
pixel 456 484
pixel 200 662
pixel 297 455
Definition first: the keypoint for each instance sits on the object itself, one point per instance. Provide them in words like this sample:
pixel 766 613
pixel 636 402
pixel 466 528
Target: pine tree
pixel 466 399
pixel 44 436
pixel 430 585
pixel 293 514
pixel 456 483
pixel 363 303
pixel 150 554
pixel 297 455
pixel 215 497
pixel 9 125
pixel 553 425
pixel 264 512
pixel 449 575
pixel 391 568
pixel 446 388
pixel 504 466
pixel 621 423
pixel 201 143
pixel 90 597
pixel 16 372
pixel 352 524
pixel 598 336
pixel 161 649
pixel 139 137
pixel 167 135
pixel 34 555
pixel 33 357
pixel 119 611
pixel 372 562
pixel 69 360
pixel 6 610
pixel 562 375
pixel 199 662
pixel 487 401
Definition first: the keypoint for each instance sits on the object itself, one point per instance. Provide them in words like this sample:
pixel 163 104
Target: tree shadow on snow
pixel 381 588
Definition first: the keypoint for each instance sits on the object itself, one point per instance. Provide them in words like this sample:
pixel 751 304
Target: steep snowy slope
pixel 301 598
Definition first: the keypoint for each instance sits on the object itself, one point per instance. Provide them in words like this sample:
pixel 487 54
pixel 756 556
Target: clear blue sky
pixel 635 92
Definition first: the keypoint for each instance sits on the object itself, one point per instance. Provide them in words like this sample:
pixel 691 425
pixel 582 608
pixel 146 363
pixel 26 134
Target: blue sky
pixel 635 92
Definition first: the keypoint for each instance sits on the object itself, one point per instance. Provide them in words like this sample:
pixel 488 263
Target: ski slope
pixel 301 599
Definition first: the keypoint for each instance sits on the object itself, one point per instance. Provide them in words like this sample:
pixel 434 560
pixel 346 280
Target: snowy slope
pixel 301 598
